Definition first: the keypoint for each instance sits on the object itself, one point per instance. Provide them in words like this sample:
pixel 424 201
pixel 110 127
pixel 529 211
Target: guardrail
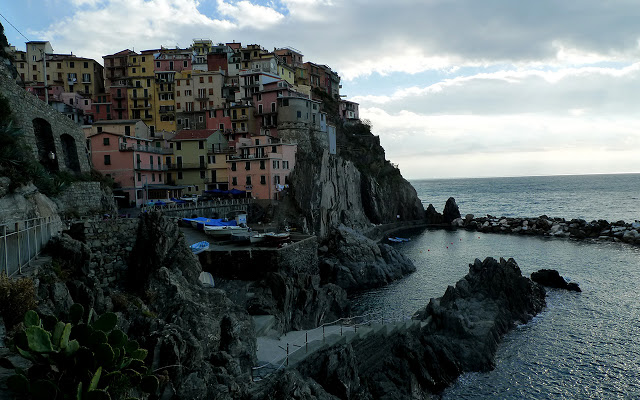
pixel 192 205
pixel 345 323
pixel 21 242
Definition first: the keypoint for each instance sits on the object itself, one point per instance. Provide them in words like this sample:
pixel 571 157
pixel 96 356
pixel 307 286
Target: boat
pixel 242 237
pixel 206 279
pixel 398 239
pixel 199 247
pixel 258 237
pixel 276 238
pixel 222 231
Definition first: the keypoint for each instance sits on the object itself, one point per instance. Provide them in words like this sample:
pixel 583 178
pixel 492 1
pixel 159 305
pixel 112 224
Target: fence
pixel 21 242
pixel 340 325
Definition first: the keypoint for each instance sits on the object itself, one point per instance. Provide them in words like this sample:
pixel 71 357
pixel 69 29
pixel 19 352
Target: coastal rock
pixel 456 333
pixel 432 217
pixel 451 211
pixel 191 325
pixel 552 278
pixel 355 262
pixel 298 302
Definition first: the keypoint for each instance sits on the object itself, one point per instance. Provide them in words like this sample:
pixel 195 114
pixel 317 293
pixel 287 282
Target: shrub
pixel 17 296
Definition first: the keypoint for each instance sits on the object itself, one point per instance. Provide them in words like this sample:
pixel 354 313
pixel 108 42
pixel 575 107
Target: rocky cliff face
pixel 457 333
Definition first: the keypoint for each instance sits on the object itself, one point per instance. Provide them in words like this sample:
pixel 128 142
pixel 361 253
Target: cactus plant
pixel 86 358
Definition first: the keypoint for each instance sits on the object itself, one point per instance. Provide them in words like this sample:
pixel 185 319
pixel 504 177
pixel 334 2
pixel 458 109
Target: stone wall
pixel 111 242
pixel 254 264
pixel 68 141
pixel 85 198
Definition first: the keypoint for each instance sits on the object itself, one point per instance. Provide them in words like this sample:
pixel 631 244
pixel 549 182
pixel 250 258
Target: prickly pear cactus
pixel 86 358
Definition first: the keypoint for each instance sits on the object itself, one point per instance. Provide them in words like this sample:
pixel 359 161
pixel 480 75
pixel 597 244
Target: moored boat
pixel 222 231
pixel 199 247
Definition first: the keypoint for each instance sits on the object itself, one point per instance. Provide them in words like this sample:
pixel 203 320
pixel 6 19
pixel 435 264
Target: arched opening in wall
pixel 46 146
pixel 70 152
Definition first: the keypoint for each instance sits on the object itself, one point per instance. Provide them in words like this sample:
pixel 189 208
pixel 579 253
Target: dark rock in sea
pixel 552 278
pixel 451 211
pixel 355 262
pixel 433 217
pixel 456 333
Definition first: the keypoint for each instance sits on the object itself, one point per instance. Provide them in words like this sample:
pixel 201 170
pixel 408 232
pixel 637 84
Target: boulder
pixel 355 262
pixel 433 217
pixel 451 211
pixel 552 278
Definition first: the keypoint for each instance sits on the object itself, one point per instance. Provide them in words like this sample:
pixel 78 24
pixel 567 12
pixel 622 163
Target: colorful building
pixel 261 167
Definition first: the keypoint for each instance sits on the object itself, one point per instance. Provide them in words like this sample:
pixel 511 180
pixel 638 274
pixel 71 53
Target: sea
pixel 582 345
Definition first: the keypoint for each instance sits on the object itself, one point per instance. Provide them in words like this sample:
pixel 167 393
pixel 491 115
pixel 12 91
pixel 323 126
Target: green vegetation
pixel 86 358
pixel 17 296
pixel 3 43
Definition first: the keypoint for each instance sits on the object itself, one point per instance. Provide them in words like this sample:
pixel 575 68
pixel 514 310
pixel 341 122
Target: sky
pixel 454 88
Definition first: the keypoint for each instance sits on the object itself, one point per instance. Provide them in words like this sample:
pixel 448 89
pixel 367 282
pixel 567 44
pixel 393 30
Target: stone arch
pixel 70 152
pixel 45 143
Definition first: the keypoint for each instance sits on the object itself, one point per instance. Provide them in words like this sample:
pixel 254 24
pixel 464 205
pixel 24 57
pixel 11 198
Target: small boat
pixel 199 247
pixel 222 231
pixel 241 237
pixel 257 237
pixel 206 279
pixel 276 238
pixel 398 239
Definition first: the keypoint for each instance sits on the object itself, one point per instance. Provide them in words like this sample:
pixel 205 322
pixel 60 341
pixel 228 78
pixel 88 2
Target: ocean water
pixel 583 345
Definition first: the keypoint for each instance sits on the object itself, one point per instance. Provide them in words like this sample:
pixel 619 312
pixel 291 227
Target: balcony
pixel 140 167
pixel 147 149
pixel 181 166
pixel 240 118
pixel 146 117
pixel 139 96
pixel 140 106
pixel 120 107
pixel 118 96
pixel 200 98
pixel 166 110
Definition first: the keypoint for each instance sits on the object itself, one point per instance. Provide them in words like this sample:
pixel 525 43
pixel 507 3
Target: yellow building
pixel 199 160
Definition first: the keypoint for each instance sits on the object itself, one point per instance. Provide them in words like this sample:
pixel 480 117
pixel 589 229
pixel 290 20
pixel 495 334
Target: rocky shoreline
pixel 600 230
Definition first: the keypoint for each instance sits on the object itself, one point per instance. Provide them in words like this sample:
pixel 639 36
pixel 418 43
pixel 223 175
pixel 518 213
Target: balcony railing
pixel 140 167
pixel 188 166
pixel 139 96
pixel 147 149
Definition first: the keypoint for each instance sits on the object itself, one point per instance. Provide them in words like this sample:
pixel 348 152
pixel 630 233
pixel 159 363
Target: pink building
pixel 349 111
pixel 261 167
pixel 135 165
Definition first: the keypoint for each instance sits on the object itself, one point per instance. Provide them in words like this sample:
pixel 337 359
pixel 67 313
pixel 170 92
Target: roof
pixel 194 134
pixel 120 53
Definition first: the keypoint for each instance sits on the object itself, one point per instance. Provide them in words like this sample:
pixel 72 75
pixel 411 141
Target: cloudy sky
pixel 454 88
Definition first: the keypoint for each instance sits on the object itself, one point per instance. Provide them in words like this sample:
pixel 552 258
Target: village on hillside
pixel 174 124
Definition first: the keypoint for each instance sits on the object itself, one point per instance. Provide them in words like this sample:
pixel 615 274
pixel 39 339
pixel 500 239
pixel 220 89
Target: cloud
pixel 247 14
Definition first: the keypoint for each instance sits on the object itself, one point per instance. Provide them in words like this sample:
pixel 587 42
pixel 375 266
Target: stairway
pixel 272 353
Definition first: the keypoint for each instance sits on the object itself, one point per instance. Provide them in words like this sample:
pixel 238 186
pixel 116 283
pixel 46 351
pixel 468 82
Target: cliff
pixel 340 196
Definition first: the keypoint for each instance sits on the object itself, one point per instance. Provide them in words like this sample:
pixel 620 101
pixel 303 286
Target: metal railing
pixel 192 205
pixel 345 324
pixel 21 242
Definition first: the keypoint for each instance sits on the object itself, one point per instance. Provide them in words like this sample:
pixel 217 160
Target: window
pixel 127 130
pixel 247 165
pixel 203 174
pixel 262 164
pixel 248 180
pixel 299 114
pixel 189 105
pixel 234 181
pixel 276 164
pixel 202 79
pixel 178 106
pixel 143 58
pixel 285 164
pixel 273 107
pixel 233 166
pixel 107 159
pixel 139 176
pixel 153 177
pixel 257 142
pixel 72 64
pixel 179 174
pixel 86 64
pixel 178 93
pixel 35 67
pixel 59 65
pixel 221 127
pixel 157 64
pixel 105 141
pixel 99 128
pixel 178 145
pixel 200 118
pixel 259 108
pixel 201 144
pixel 274 149
pixel 178 82
pixel 185 64
pixel 263 180
pixel 276 179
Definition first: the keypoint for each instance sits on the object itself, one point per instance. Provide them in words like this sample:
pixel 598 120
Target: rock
pixel 451 211
pixel 355 262
pixel 433 217
pixel 298 301
pixel 552 278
